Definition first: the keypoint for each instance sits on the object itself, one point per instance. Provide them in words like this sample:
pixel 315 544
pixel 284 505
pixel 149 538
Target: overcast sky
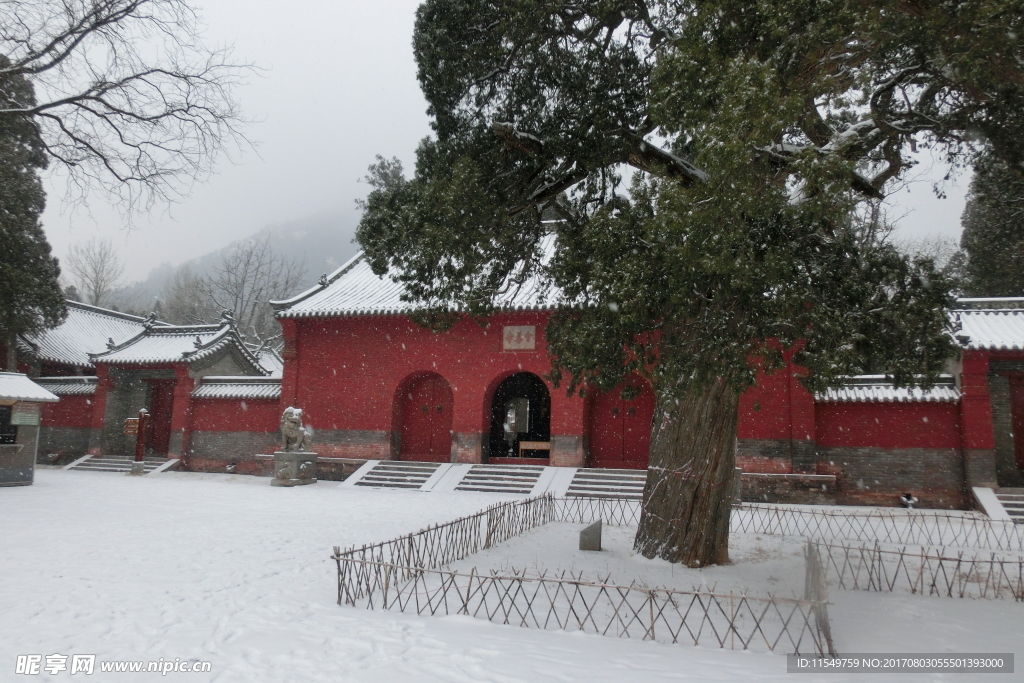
pixel 339 86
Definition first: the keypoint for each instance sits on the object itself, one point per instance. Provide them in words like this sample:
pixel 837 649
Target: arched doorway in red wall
pixel 424 412
pixel 620 426
pixel 520 412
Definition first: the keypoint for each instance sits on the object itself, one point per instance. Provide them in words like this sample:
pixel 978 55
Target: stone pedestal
pixel 138 468
pixel 590 538
pixel 294 468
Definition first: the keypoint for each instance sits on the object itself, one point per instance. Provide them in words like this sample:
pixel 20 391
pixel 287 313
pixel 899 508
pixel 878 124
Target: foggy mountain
pixel 324 241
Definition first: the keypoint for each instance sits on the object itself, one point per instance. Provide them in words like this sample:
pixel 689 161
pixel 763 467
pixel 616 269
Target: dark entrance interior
pixel 158 431
pixel 8 432
pixel 520 412
pixel 426 420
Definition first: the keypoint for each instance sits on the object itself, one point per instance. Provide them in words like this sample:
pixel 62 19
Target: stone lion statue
pixel 296 437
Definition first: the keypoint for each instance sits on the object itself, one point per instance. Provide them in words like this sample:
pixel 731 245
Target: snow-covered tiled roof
pixel 69 386
pixel 875 389
pixel 176 344
pixel 990 324
pixel 354 289
pixel 86 330
pixel 15 386
pixel 238 387
pixel 271 362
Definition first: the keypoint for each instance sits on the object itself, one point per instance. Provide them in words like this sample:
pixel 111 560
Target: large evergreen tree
pixel 993 235
pixel 754 131
pixel 30 297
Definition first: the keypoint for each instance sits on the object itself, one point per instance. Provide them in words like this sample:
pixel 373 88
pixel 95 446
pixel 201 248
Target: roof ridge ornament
pixel 323 280
pixel 198 342
pixel 110 343
pixel 227 317
pixel 150 321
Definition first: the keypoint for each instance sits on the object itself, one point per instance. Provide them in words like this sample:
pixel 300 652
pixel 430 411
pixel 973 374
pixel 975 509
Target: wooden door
pixel 161 403
pixel 620 429
pixel 427 420
pixel 1017 412
pixel 637 415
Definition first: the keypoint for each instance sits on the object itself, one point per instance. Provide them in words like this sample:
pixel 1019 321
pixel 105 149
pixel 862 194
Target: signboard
pixel 131 425
pixel 25 414
pixel 519 338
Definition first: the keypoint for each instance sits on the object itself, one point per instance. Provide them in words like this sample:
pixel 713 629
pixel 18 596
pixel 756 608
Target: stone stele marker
pixel 590 538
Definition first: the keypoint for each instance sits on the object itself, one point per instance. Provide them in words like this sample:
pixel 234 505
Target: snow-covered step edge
pixel 437 475
pixel 989 503
pixel 601 477
pixel 356 476
pixel 77 462
pixel 387 466
pixel 377 480
pixel 491 489
pixel 497 481
pixel 612 495
pixel 167 466
pixel 555 480
pixel 450 478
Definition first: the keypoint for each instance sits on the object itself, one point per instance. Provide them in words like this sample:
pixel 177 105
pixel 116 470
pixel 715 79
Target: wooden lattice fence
pixel 923 571
pixel 612 511
pixel 408 574
pixel 918 527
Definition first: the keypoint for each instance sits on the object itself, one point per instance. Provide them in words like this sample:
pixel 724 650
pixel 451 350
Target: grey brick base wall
pixel 792 489
pixel 67 443
pixel 228 445
pixel 877 476
pixel 355 444
pixel 864 476
pixel 764 455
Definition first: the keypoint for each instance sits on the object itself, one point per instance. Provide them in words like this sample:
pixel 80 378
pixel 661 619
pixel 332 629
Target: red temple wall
pixel 234 415
pixel 349 369
pixel 70 411
pixel 888 425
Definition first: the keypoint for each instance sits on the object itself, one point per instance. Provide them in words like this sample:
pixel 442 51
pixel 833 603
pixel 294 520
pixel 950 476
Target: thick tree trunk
pixel 685 516
pixel 12 353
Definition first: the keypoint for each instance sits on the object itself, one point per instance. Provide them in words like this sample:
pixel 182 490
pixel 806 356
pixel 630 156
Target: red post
pixel 140 439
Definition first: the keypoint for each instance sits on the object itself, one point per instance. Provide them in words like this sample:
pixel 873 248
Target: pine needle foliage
pixel 993 236
pixel 30 296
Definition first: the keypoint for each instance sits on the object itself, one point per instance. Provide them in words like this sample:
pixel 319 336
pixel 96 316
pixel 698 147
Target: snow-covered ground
pixel 761 565
pixel 230 570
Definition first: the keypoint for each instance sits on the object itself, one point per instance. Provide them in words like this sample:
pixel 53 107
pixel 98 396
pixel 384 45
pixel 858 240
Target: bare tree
pixel 185 300
pixel 131 101
pixel 96 269
pixel 244 282
pixel 944 252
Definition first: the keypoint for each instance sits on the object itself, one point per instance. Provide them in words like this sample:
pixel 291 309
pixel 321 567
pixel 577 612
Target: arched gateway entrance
pixel 520 418
pixel 424 413
pixel 620 428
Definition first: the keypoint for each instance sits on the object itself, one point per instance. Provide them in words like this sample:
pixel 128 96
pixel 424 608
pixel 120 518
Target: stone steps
pixel 594 483
pixel 1012 501
pixel 501 478
pixel 398 475
pixel 114 463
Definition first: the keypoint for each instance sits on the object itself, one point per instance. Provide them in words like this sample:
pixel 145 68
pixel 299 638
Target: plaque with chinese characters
pixel 519 338
pixel 26 414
